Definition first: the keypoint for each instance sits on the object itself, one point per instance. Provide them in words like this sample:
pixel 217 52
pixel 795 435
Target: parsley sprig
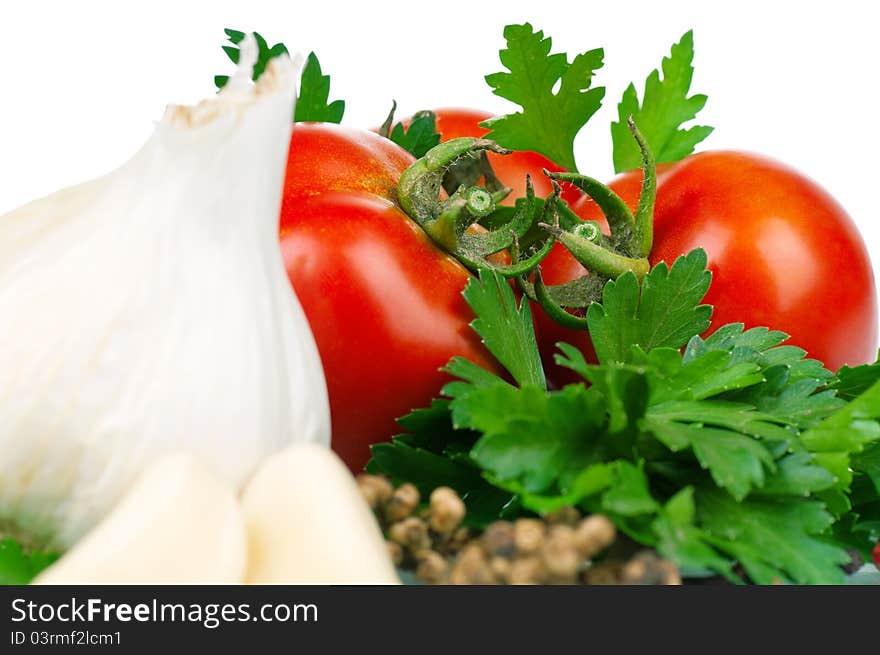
pixel 549 119
pixel 721 451
pixel 557 99
pixel 19 565
pixel 418 137
pixel 664 108
pixel 312 103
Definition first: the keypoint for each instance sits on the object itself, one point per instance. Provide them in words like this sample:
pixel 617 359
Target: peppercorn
pixel 501 569
pixel 446 510
pixel 526 570
pixel 672 576
pixel 606 573
pixel 402 502
pixel 375 489
pixel 411 533
pixel 471 567
pixel 395 552
pixel 456 541
pixel 498 539
pixel 647 568
pixel 432 566
pixel 554 550
pixel 559 554
pixel 528 536
pixel 593 535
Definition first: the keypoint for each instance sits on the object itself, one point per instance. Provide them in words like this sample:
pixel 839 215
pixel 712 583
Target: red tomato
pixel 784 254
pixel 383 302
pixel 875 555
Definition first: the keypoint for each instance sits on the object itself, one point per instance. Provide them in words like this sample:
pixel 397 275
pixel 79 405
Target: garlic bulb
pixel 148 312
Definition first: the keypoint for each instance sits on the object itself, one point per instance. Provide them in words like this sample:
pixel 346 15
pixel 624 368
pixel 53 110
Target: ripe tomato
pixel 383 302
pixel 784 254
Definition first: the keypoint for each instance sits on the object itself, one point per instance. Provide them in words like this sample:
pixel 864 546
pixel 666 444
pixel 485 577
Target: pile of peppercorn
pixel 429 540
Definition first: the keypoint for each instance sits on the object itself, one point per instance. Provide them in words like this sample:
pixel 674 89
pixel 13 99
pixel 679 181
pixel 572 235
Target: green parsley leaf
pixel 469 377
pixel 534 437
pixel 419 137
pixel 427 471
pixel 775 541
pixel 792 387
pixel 628 494
pixel 264 54
pixel 626 394
pixel 432 453
pixel 719 413
pixel 505 328
pixel 797 475
pixel 681 541
pixel 867 462
pixel 548 121
pixel 314 86
pixel 665 107
pixel 314 91
pixel 492 408
pixel 589 482
pixel 664 312
pixel 430 429
pixel 713 373
pixel 736 461
pixel 856 380
pixel 851 428
pixel 19 567
pixel 835 441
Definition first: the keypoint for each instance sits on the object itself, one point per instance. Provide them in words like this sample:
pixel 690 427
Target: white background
pixel 82 82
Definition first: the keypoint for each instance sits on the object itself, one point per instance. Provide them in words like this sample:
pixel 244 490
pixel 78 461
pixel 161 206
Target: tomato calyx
pixel 448 221
pixel 626 249
pixel 419 188
pixel 388 123
pixel 458 164
pixel 585 243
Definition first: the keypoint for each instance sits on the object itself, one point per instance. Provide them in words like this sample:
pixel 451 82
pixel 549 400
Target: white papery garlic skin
pixel 148 312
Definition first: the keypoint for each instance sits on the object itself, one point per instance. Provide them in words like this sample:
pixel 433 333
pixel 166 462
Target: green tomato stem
pixel 444 230
pixel 385 128
pixel 597 259
pixel 644 218
pixel 419 185
pixel 620 218
pixel 554 311
pixel 479 201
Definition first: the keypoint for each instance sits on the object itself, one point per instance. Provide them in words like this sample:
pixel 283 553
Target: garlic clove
pixel 308 524
pixel 179 524
pixel 148 312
